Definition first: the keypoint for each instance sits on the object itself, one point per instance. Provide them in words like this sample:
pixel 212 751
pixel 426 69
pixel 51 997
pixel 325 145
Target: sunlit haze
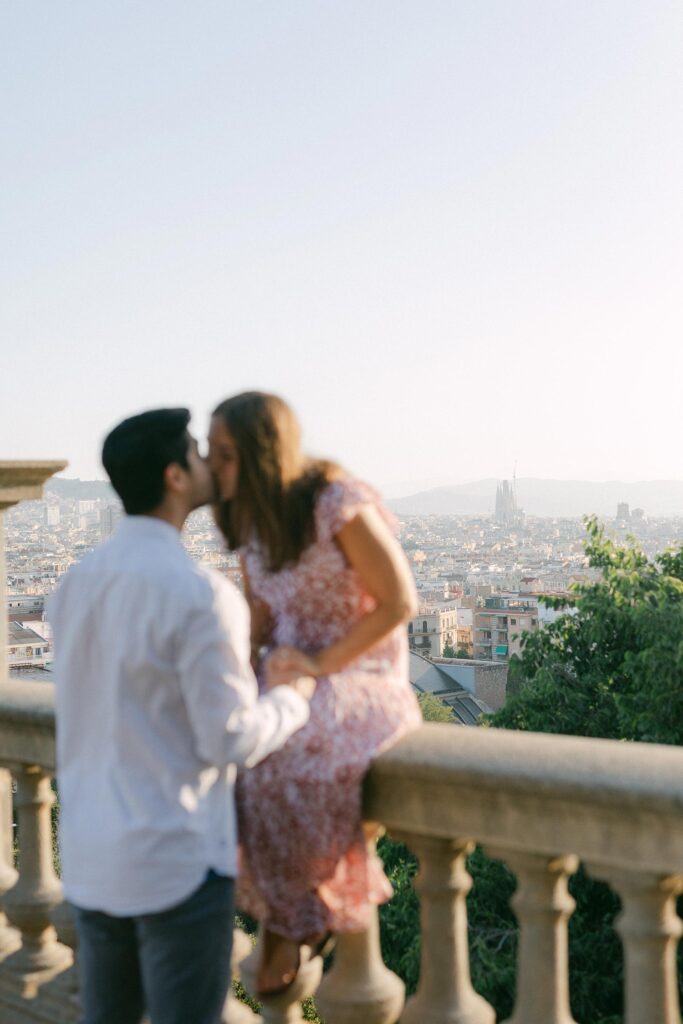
pixel 451 233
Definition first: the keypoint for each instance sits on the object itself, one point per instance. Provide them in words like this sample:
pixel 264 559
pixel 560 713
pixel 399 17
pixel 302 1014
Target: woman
pixel 330 591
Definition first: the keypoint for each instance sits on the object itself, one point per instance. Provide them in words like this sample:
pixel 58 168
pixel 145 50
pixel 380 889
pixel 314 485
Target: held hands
pixel 289 667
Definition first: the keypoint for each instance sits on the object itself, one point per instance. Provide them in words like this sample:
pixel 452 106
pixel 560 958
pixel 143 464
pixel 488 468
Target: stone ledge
pixel 609 772
pixel 612 804
pixel 27 723
pixel 22 480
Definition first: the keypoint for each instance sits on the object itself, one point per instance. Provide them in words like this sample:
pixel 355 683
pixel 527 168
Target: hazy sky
pixel 449 231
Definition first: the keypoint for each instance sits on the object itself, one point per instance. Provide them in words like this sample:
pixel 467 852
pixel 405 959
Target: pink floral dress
pixel 305 866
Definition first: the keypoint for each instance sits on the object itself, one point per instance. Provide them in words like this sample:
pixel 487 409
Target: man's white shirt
pixel 156 706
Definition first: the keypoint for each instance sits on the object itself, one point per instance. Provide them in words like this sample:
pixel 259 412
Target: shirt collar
pixel 148 527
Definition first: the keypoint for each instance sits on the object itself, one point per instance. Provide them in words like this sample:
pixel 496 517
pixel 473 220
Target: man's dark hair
pixel 137 451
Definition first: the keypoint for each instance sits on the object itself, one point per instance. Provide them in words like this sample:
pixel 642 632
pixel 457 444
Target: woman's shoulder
pixel 341 499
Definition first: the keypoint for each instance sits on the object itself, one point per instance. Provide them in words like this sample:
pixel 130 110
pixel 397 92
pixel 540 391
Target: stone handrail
pixel 539 803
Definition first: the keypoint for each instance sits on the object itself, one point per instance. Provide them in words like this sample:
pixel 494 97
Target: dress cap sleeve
pixel 341 501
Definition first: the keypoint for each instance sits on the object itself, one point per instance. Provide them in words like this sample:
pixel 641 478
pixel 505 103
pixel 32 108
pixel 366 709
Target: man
pixel 156 706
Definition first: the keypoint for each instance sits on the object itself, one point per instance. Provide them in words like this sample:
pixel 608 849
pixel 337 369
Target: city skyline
pixel 451 235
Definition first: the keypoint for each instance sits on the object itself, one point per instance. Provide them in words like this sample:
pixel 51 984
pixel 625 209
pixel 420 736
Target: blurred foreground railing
pixel 539 803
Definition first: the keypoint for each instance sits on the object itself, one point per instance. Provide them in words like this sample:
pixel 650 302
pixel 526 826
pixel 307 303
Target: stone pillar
pixel 359 987
pixel 543 906
pixel 37 893
pixel 10 940
pixel 235 1012
pixel 19 481
pixel 65 928
pixel 445 994
pixel 650 929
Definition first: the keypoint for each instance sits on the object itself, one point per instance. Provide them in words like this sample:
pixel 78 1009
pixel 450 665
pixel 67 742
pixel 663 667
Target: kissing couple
pixel 191 718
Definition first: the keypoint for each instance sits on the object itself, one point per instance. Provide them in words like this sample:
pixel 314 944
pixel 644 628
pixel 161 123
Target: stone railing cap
pixel 23 480
pixel 23 702
pixel 29 472
pixel 572 767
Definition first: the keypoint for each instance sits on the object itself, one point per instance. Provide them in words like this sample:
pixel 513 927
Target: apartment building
pixel 499 624
pixel 435 628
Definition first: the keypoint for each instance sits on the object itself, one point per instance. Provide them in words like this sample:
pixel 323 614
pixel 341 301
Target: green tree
pixel 433 709
pixel 448 651
pixel 612 665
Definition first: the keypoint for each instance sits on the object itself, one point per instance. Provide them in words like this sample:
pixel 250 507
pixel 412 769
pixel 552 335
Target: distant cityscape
pixel 481 579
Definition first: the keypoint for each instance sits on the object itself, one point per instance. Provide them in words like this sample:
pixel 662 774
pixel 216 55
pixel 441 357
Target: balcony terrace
pixel 542 804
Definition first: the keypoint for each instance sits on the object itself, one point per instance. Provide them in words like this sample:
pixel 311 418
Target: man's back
pixel 152 663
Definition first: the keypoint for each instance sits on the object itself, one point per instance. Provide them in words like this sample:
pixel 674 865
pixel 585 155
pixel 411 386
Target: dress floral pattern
pixel 305 866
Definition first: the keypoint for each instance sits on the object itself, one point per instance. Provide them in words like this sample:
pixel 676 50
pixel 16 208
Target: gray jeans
pixel 174 966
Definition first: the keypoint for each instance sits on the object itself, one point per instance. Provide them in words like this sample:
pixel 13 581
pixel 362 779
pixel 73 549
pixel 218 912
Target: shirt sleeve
pixel 231 723
pixel 341 501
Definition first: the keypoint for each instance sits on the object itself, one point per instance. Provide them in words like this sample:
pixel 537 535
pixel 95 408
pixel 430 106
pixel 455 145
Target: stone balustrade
pixel 539 803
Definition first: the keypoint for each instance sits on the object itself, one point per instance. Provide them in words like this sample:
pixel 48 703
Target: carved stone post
pixel 445 995
pixel 359 987
pixel 543 906
pixel 38 892
pixel 235 1012
pixel 19 481
pixel 286 1008
pixel 10 940
pixel 650 929
pixel 65 927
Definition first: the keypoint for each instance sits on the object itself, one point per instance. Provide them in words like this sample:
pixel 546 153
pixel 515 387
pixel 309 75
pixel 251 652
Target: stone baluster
pixel 445 994
pixel 650 929
pixel 19 481
pixel 359 987
pixel 285 1008
pixel 234 1011
pixel 10 940
pixel 37 892
pixel 63 920
pixel 543 907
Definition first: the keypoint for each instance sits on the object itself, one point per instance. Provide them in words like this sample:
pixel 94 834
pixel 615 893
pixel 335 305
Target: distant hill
pixel 548 498
pixel 85 490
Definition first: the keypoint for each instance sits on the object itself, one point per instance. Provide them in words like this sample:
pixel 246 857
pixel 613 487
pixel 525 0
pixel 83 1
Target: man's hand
pixel 305 685
pixel 290 659
pixel 282 669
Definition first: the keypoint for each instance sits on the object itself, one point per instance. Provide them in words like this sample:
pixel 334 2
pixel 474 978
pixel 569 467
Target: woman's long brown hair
pixel 276 484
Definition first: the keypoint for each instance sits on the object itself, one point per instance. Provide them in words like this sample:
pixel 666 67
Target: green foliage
pixel 448 651
pixel 400 918
pixel 613 666
pixel 433 709
pixel 493 932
